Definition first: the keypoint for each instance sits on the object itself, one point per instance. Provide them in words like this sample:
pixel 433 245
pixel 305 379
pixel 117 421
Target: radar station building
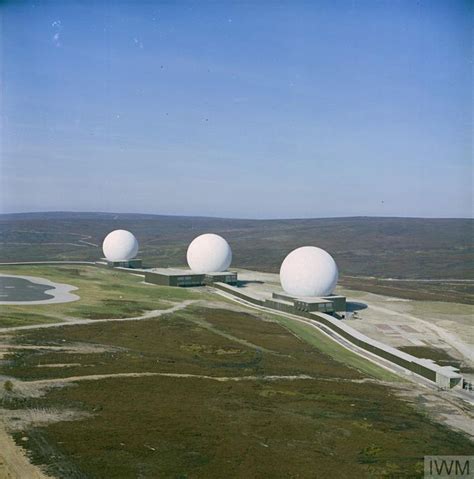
pixel 186 277
pixel 128 263
pixel 325 304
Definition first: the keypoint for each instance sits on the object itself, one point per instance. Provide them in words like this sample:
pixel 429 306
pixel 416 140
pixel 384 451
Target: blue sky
pixel 238 109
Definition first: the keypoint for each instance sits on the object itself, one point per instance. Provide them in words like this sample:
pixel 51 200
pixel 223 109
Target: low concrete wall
pixel 286 307
pixel 238 293
pixel 387 352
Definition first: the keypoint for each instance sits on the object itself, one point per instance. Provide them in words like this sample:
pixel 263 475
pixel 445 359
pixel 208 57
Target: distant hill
pixel 362 246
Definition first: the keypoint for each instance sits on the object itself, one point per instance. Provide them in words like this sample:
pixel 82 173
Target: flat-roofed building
pixel 314 304
pixel 186 277
pixel 326 304
pixel 134 263
pixel 228 277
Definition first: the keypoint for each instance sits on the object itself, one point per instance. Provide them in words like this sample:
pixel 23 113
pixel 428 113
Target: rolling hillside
pixel 382 247
pixel 368 251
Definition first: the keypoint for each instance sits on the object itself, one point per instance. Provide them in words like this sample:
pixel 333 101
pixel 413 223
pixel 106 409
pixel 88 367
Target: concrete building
pixel 325 304
pixel 129 263
pixel 186 277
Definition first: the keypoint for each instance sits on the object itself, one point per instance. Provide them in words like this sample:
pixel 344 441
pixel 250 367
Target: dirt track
pixel 71 322
pixel 14 463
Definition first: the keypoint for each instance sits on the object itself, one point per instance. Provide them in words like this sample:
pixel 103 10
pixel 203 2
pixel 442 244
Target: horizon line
pixel 18 213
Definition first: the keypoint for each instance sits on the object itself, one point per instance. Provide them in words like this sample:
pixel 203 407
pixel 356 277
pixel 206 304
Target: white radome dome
pixel 120 245
pixel 209 253
pixel 309 271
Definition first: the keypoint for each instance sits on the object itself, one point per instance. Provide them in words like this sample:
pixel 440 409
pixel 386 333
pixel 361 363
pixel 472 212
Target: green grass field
pixel 103 294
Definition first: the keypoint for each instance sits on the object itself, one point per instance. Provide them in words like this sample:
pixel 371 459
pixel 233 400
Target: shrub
pixel 8 386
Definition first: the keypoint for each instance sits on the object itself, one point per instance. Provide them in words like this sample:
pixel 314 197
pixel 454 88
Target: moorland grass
pixel 326 345
pixel 181 342
pixel 380 247
pixel 152 427
pixel 453 292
